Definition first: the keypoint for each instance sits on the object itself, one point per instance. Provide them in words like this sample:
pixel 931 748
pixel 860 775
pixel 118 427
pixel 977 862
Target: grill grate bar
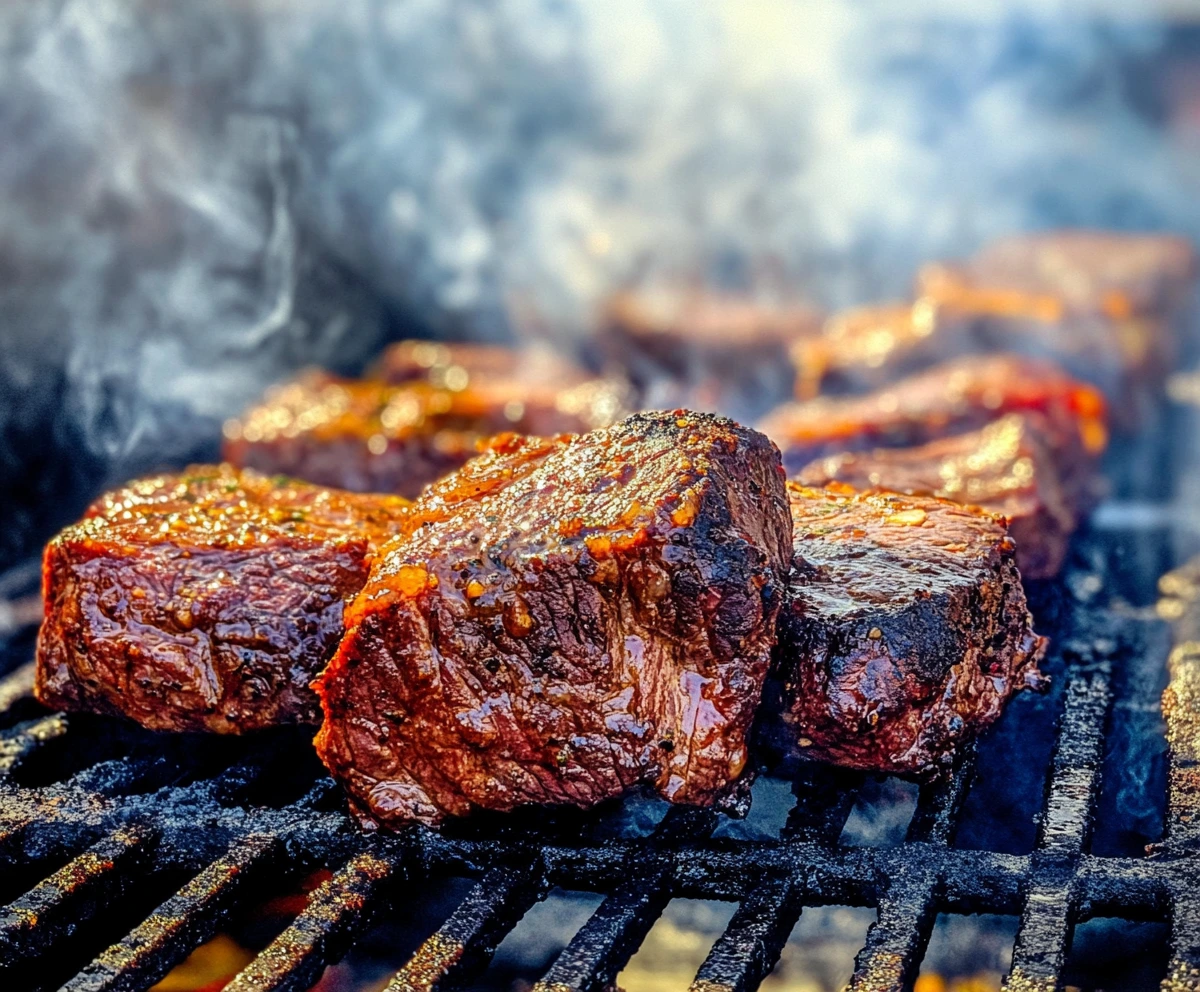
pixel 940 802
pixel 321 934
pixel 824 798
pixel 1044 932
pixel 465 942
pixel 1075 769
pixel 897 939
pixel 179 925
pixel 73 894
pixel 1183 972
pixel 1181 707
pixel 602 946
pixel 748 949
pixel 20 743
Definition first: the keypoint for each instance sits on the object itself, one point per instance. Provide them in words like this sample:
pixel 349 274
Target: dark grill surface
pixel 124 850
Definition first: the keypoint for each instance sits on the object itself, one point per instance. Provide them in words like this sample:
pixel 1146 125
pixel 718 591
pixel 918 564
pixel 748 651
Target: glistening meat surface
pixel 568 617
pixel 207 600
pixel 904 633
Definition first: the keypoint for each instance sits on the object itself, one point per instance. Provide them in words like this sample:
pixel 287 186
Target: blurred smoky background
pixel 196 199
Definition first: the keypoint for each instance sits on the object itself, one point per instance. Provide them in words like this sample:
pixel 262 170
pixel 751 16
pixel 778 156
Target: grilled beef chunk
pixel 904 632
pixel 709 352
pixel 951 398
pixel 456 366
pixel 567 618
pixel 1107 306
pixel 369 436
pixel 204 601
pixel 1004 468
pixel 867 347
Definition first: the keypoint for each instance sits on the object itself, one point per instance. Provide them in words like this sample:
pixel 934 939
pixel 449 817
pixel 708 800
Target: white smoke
pixel 196 198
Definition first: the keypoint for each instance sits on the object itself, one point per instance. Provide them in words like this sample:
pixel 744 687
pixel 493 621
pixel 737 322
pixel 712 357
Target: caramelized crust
pixel 1003 468
pixel 369 436
pixel 567 617
pixel 204 601
pixel 951 398
pixel 1108 306
pixel 904 633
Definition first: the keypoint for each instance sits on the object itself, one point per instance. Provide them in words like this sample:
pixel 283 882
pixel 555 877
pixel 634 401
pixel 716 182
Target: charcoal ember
pixel 866 347
pixel 1110 307
pixel 711 352
pixel 205 601
pixel 904 632
pixel 1004 467
pixel 951 398
pixel 568 617
pixel 371 436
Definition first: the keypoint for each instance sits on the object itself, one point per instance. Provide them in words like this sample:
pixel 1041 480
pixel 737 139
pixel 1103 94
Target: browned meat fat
pixel 1004 468
pixel 1109 307
pixel 567 618
pixel 708 351
pixel 370 436
pixel 904 633
pixel 205 601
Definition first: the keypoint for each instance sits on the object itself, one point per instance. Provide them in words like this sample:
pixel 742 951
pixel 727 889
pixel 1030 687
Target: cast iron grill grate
pixel 121 851
pixel 125 808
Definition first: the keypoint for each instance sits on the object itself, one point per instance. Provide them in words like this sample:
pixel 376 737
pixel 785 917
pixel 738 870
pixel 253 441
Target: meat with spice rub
pixel 904 633
pixel 567 618
pixel 207 600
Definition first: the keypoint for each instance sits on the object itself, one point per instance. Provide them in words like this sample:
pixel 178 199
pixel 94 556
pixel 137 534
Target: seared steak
pixel 369 436
pixel 1107 306
pixel 1004 468
pixel 706 351
pixel 568 617
pixel 905 631
pixel 951 398
pixel 204 601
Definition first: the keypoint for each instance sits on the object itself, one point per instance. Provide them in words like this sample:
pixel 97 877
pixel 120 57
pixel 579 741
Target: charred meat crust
pixel 569 617
pixel 1004 468
pixel 372 436
pixel 904 633
pixel 205 601
pixel 952 398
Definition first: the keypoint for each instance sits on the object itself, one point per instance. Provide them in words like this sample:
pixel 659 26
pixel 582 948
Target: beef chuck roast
pixel 204 601
pixel 372 436
pixel 567 618
pixel 904 632
pixel 952 398
pixel 1004 467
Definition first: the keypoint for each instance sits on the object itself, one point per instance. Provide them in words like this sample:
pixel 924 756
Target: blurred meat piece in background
pixel 957 396
pixel 459 365
pixel 1110 307
pixel 706 351
pixel 1004 468
pixel 904 632
pixel 207 600
pixel 866 347
pixel 372 436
